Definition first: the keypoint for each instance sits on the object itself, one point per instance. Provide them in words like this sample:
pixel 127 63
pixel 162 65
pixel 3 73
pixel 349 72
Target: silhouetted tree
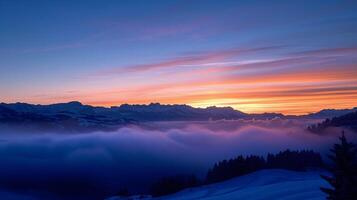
pixel 344 172
pixel 348 120
pixel 234 167
pixel 294 160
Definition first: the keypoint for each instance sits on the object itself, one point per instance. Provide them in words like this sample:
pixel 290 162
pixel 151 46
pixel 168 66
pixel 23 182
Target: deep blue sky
pixel 102 52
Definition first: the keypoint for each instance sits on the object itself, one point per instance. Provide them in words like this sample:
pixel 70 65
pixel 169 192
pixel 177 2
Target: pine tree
pixel 344 172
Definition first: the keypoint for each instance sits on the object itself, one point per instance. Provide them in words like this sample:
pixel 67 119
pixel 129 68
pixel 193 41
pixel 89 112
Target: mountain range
pixel 76 117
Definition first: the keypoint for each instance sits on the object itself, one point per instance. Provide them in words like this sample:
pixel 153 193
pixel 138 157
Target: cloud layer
pixel 99 164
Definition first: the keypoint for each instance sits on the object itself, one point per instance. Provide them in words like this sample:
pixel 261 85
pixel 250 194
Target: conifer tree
pixel 344 172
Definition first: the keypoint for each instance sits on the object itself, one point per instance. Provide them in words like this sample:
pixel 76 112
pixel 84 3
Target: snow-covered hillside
pixel 261 185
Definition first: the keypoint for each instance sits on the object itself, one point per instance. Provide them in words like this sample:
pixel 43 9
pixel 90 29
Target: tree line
pixel 290 160
pixel 348 120
pixel 240 165
pixel 342 178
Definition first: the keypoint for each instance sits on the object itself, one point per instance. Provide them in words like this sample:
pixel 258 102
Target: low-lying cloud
pixel 96 165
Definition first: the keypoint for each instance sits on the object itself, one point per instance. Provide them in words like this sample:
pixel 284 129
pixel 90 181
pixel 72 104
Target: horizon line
pixel 151 103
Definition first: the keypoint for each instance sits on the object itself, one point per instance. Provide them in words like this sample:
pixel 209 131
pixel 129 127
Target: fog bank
pixel 95 165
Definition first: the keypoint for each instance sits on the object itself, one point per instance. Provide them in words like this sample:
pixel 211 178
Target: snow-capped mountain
pixel 74 116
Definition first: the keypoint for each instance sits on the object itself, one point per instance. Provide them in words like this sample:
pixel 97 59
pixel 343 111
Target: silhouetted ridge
pixel 330 113
pixel 348 120
pixel 74 116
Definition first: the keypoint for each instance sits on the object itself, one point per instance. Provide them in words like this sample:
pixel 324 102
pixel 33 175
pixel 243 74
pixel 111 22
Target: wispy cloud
pixel 297 80
pixel 329 51
pixel 248 79
pixel 193 59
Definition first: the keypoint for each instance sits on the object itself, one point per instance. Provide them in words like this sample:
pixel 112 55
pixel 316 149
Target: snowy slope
pixel 261 185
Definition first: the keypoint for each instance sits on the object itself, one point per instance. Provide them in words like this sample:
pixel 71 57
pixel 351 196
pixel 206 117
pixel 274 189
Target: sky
pixel 292 57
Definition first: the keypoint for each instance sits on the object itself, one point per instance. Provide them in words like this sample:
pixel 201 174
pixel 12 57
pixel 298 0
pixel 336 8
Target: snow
pixel 262 185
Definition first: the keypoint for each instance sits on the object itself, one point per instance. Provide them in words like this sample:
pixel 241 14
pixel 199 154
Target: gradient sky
pixel 292 57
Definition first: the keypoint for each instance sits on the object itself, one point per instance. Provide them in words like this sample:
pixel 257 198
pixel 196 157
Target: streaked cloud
pixel 288 57
pixel 193 59
pixel 290 84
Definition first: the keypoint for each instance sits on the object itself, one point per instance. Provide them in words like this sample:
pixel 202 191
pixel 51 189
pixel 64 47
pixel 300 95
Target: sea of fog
pixel 97 165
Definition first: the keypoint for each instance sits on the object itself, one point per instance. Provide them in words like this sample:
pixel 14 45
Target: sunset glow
pixel 300 63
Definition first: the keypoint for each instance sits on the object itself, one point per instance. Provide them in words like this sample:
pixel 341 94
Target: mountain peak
pixel 75 103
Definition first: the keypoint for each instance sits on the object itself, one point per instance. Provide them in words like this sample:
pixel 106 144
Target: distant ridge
pixel 325 113
pixel 348 120
pixel 328 113
pixel 74 116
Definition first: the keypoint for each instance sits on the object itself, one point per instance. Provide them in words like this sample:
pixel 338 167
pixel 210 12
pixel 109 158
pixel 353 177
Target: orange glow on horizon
pixel 251 86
